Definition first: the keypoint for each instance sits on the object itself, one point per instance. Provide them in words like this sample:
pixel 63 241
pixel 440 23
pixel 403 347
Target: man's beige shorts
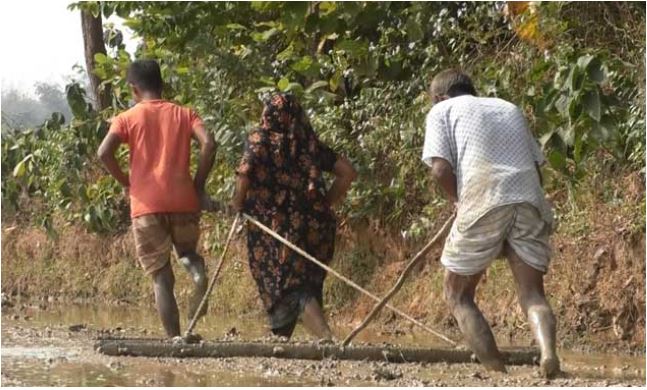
pixel 156 233
pixel 470 251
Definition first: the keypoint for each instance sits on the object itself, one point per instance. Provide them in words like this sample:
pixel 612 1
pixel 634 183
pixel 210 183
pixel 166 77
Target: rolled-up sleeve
pixel 119 128
pixel 195 120
pixel 437 142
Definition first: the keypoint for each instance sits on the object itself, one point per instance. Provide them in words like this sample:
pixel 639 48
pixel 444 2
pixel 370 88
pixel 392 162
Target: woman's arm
pixel 345 174
pixel 242 186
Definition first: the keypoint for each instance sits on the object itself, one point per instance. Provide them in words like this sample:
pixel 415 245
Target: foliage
pixel 55 163
pixel 361 70
pixel 22 111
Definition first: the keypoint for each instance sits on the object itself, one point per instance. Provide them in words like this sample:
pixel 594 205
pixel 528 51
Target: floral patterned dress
pixel 283 160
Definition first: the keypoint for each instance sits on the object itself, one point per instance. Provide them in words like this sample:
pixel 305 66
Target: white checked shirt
pixel 492 153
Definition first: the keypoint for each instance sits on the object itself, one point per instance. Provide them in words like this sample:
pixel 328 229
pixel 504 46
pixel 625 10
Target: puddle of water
pixel 40 352
pixel 251 326
pixel 32 358
pixel 139 373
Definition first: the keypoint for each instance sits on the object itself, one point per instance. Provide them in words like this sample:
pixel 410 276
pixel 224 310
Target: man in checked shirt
pixel 485 158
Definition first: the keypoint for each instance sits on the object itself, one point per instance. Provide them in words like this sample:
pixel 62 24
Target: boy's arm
pixel 106 154
pixel 207 155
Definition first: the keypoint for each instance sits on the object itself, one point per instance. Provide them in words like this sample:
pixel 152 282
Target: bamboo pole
pixel 396 287
pixel 212 282
pixel 344 279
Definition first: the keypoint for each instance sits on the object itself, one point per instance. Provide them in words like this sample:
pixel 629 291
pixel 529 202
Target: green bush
pixel 361 70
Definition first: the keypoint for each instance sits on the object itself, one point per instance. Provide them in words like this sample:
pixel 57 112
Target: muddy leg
pixel 314 320
pixel 530 288
pixel 164 281
pixel 459 294
pixel 194 264
pixel 286 330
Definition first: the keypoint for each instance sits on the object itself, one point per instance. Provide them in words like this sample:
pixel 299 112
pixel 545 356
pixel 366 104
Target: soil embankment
pixel 596 282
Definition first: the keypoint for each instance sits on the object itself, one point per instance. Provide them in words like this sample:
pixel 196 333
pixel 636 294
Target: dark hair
pixel 145 75
pixel 452 82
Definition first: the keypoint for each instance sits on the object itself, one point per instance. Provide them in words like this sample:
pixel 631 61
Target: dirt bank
pixel 596 282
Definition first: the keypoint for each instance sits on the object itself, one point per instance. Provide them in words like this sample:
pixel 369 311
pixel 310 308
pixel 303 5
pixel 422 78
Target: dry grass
pixel 596 282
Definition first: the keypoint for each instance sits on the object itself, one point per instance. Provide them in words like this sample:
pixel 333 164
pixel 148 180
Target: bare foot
pixel 495 365
pixel 192 338
pixel 326 341
pixel 549 367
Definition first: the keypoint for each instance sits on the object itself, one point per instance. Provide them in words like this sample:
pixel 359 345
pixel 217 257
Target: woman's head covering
pixel 283 114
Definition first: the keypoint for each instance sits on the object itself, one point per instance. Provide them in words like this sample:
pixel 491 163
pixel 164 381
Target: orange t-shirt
pixel 158 134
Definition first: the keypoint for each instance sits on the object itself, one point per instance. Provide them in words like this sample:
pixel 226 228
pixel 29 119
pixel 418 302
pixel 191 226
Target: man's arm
pixel 207 155
pixel 106 154
pixel 345 174
pixel 442 172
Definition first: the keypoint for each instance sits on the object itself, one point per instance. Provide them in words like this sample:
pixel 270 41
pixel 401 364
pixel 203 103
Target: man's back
pixel 491 150
pixel 158 134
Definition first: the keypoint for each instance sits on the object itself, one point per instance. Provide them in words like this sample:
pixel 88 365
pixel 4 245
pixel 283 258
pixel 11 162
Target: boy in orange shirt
pixel 165 202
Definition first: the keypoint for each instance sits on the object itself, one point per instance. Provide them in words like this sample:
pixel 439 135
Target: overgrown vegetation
pixel 361 69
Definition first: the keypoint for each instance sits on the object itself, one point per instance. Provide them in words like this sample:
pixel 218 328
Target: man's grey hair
pixel 452 83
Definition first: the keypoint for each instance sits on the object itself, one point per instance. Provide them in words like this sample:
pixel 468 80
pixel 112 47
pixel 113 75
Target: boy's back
pixel 164 200
pixel 158 134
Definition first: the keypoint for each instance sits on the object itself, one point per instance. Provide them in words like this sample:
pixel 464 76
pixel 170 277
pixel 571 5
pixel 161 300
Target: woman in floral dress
pixel 280 183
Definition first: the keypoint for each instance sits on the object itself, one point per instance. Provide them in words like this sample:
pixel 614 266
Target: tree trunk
pixel 93 43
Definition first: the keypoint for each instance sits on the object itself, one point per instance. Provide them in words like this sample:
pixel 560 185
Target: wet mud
pixel 53 346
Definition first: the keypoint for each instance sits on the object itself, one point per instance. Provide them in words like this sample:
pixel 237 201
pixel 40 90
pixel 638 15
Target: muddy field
pixel 52 346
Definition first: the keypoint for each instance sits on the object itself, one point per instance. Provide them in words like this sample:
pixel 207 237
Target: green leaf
pixel 557 160
pixel 562 104
pixel 76 100
pixel 595 71
pixel 591 103
pixel 133 23
pixel 574 80
pixel 599 132
pixel 544 139
pixel 20 168
pixel 316 85
pixel 567 135
pixel 294 87
pixel 304 65
pixel 264 36
pixel 283 84
pixel 100 58
pixel 327 7
pixel 577 149
pixel 413 29
pixel 574 107
pixel 286 54
pixel 356 49
pixel 584 61
pixel 335 80
pixel 235 26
